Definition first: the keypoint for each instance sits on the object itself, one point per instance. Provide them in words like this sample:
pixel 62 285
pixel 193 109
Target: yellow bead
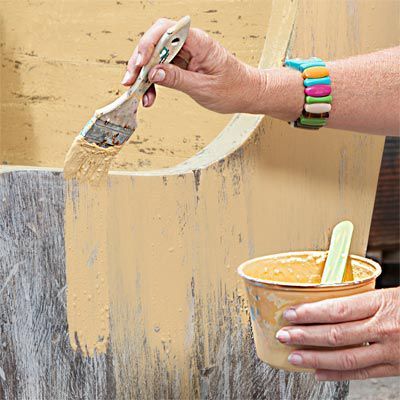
pixel 315 72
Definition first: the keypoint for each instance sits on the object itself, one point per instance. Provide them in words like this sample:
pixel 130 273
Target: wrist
pixel 249 94
pixel 278 92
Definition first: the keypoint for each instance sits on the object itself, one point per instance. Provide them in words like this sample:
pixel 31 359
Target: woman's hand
pixel 203 69
pixel 372 317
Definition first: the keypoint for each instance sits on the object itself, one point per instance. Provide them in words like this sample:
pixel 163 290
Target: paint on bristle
pixel 88 162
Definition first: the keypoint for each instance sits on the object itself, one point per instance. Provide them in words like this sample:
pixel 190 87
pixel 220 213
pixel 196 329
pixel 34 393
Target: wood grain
pixel 47 46
pixel 36 359
pixel 260 187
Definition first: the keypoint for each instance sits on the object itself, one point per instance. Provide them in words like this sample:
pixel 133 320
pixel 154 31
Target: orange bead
pixel 315 72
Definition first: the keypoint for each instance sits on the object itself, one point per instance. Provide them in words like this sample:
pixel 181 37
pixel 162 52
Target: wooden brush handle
pixel 165 51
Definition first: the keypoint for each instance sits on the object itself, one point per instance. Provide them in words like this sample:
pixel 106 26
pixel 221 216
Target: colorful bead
pixel 317 108
pixel 297 124
pixel 318 81
pixel 312 115
pixel 318 90
pixel 312 121
pixel 311 64
pixel 312 100
pixel 297 62
pixel 315 72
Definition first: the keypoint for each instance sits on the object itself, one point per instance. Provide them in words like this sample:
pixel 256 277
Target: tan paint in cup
pixel 276 282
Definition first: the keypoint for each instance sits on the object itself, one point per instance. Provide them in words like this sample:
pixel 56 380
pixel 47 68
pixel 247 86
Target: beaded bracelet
pixel 317 89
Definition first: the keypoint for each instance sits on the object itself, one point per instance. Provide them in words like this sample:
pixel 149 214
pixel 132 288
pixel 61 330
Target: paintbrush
pixel 93 150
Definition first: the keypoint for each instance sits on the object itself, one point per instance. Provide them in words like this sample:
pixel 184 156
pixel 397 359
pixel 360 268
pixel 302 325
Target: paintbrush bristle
pixel 107 134
pixel 90 156
pixel 88 162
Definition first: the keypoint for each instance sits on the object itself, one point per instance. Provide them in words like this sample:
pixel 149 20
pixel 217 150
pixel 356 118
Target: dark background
pixel 384 238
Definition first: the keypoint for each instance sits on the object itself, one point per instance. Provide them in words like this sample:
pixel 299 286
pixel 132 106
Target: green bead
pixel 312 121
pixel 312 100
pixel 297 124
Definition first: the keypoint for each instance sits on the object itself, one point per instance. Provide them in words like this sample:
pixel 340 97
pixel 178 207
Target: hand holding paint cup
pixel 340 325
pixel 278 282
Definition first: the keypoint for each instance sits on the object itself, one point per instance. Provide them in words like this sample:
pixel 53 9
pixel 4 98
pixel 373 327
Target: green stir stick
pixel 339 247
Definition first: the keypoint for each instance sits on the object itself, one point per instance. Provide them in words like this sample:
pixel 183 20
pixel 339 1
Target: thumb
pixel 170 75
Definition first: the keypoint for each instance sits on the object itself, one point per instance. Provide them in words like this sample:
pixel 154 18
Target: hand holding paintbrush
pixel 93 150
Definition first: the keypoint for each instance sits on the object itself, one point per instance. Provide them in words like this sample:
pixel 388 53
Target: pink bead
pixel 318 90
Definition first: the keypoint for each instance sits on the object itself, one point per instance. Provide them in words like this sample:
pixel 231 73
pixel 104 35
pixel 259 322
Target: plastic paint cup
pixel 268 299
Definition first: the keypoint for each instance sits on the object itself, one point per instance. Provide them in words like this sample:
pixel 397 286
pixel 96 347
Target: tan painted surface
pixel 172 238
pixel 282 189
pixel 87 269
pixel 63 60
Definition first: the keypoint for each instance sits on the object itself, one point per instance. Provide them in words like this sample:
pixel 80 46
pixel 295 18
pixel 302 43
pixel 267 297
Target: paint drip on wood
pixel 86 166
pixel 86 266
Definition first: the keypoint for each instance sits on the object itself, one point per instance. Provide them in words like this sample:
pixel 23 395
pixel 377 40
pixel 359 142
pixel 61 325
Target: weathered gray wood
pixel 258 188
pixel 36 360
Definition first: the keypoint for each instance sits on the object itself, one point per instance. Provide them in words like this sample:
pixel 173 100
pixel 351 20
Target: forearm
pixel 365 91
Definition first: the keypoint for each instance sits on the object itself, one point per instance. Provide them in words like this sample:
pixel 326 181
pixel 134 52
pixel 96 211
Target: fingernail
pixel 321 376
pixel 295 359
pixel 283 336
pixel 157 75
pixel 126 77
pixel 139 59
pixel 290 314
pixel 145 100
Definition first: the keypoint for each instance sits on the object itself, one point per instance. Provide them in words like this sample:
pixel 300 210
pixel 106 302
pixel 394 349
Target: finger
pixel 171 76
pixel 348 359
pixel 143 51
pixel 198 44
pixel 376 371
pixel 180 62
pixel 132 71
pixel 149 97
pixel 335 335
pixel 150 39
pixel 341 309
